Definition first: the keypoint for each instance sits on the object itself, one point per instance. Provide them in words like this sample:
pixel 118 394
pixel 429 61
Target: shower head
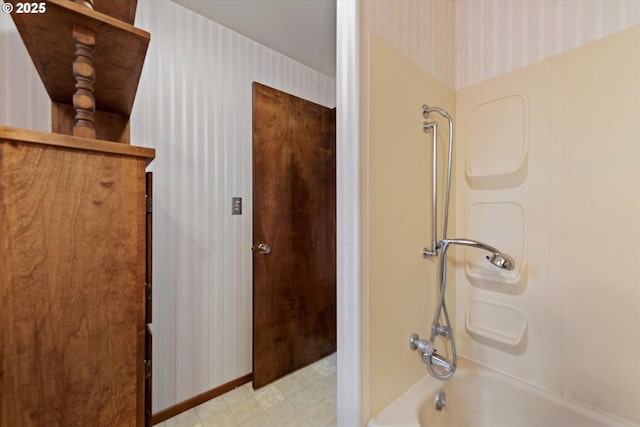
pixel 497 258
pixel 501 260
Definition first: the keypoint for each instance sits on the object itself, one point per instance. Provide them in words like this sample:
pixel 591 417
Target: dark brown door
pixel 294 215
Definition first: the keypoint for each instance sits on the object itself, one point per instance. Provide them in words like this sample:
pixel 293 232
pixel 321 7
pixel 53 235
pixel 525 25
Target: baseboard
pixel 178 408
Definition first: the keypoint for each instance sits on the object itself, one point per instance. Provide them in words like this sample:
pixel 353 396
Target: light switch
pixel 236 206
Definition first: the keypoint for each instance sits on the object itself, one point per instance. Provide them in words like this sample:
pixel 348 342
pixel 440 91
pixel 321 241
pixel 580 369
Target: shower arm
pixel 471 243
pixel 433 126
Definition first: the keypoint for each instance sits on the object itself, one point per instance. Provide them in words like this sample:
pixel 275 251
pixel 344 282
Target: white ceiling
pixel 304 30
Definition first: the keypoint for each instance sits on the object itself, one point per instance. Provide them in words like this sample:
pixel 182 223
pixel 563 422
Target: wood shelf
pixel 125 10
pixel 120 50
pixel 8 133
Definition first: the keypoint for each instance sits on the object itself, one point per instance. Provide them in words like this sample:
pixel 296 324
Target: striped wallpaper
pixel 422 30
pixel 23 100
pixel 194 106
pixel 462 42
pixel 497 36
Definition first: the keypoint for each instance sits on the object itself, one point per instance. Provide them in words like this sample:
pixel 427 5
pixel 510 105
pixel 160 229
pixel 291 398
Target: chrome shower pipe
pixel 497 258
pixel 433 126
pixel 438 365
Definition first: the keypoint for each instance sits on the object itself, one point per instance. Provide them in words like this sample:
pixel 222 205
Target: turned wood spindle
pixel 84 72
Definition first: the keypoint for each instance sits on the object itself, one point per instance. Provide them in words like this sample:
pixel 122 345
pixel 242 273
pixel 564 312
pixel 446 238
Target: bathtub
pixel 482 397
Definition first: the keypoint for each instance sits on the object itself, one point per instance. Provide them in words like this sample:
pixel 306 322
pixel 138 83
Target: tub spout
pixel 436 360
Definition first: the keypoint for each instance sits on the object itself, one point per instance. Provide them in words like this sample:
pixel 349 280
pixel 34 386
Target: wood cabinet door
pixel 148 303
pixel 71 287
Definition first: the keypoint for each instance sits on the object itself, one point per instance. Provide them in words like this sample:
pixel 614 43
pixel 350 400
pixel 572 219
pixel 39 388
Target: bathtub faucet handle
pixel 425 347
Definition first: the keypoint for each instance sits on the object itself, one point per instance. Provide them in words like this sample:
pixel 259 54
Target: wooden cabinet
pixel 75 229
pixel 72 281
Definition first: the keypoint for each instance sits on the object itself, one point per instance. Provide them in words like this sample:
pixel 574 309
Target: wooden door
pixel 294 213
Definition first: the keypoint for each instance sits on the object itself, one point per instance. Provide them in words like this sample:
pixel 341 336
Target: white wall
pixel 194 106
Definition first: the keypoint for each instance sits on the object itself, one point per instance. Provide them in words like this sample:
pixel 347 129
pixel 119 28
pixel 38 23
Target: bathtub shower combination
pixel 478 396
pixel 438 366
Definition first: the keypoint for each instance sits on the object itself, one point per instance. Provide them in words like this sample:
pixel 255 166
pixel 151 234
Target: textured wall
pixel 194 107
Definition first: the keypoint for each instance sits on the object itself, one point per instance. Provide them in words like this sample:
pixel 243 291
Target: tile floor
pixel 306 398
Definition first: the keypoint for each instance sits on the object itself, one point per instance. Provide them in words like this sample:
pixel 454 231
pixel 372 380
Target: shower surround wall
pixel 547 168
pixel 569 298
pixel 194 106
pixel 401 300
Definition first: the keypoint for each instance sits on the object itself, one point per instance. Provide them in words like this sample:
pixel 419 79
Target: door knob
pixel 264 249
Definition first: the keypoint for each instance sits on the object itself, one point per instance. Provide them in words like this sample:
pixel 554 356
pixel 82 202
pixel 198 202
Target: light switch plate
pixel 236 206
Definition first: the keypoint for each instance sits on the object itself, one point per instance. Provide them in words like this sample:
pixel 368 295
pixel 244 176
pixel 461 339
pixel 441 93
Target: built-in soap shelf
pixel 497 325
pixel 502 282
pixel 497 149
pixel 501 224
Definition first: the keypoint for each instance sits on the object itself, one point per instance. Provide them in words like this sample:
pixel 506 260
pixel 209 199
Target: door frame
pixel 351 239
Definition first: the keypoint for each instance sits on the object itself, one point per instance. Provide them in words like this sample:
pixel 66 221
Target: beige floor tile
pixel 221 419
pixel 304 400
pixel 283 412
pixel 268 396
pixel 186 419
pixel 211 408
pixel 307 376
pixel 332 402
pixel 289 385
pixel 237 395
pixel 322 389
pixel 320 415
pixel 262 420
pixel 324 368
pixel 298 421
pixel 246 410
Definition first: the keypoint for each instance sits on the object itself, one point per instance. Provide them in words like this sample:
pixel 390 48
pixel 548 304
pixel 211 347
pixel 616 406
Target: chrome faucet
pixel 430 355
pixel 437 360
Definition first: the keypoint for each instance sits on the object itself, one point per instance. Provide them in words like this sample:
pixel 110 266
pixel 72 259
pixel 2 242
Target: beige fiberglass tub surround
pixel 548 338
pixel 478 396
pixel 482 397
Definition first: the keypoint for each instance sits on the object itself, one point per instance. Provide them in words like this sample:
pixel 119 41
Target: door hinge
pixel 147 369
pixel 149 291
pixel 149 204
